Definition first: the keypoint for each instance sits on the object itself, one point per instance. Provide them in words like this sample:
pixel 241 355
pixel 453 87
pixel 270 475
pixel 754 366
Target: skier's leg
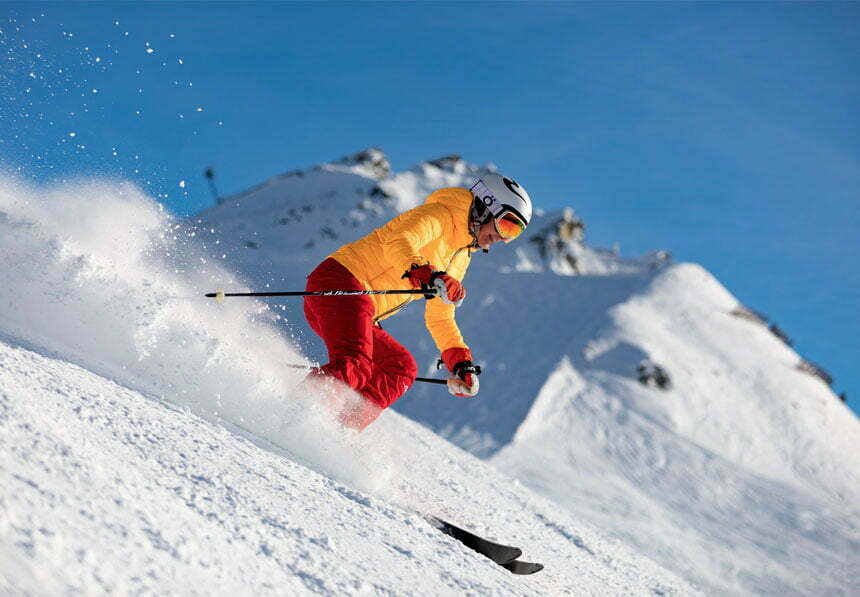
pixel 394 370
pixel 345 323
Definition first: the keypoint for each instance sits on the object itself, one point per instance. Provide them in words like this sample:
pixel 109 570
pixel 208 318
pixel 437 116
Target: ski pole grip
pixel 431 291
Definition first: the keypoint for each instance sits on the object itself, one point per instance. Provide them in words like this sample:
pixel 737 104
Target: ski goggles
pixel 509 225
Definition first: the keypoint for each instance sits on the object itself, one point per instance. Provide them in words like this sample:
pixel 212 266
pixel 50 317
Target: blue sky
pixel 728 134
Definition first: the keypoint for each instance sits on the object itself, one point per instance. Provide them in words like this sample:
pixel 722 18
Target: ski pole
pixel 424 379
pixel 220 295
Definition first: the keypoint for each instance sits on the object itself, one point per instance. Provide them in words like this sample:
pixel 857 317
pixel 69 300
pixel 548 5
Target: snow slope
pixel 107 491
pixel 152 441
pixel 743 476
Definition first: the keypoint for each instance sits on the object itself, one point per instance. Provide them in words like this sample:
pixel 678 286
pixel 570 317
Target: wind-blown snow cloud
pixel 96 273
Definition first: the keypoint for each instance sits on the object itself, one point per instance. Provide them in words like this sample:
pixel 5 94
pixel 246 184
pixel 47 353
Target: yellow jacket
pixel 436 232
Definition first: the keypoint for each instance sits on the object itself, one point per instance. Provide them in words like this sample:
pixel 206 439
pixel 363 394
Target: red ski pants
pixel 361 354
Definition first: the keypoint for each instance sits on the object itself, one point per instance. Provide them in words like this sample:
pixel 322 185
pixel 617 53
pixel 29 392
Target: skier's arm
pixel 440 322
pixel 439 316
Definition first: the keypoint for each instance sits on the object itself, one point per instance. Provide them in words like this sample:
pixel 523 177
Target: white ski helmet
pixel 501 198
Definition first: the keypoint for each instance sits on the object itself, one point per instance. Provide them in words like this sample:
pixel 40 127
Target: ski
pixel 520 567
pixel 500 554
pixel 503 555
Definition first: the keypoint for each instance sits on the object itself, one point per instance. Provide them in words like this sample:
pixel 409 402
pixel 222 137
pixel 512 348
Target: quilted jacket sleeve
pixel 439 316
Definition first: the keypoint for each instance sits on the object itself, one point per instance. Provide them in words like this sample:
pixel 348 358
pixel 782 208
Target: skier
pixel 428 247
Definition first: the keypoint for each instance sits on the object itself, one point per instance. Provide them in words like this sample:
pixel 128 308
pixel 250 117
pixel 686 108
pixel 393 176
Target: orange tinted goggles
pixel 509 226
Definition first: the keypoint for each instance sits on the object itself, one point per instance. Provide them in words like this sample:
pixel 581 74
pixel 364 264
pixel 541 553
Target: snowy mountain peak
pixel 451 162
pixel 368 162
pixel 311 212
